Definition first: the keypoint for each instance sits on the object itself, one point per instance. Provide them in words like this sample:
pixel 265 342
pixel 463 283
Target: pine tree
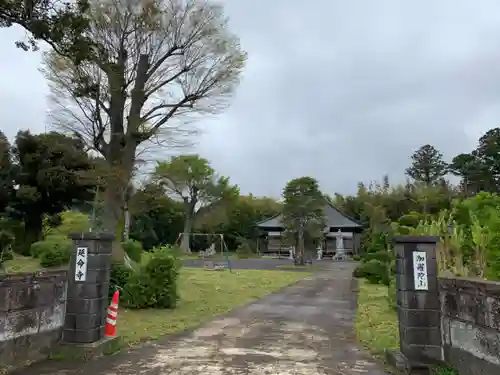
pixel 427 165
pixel 303 213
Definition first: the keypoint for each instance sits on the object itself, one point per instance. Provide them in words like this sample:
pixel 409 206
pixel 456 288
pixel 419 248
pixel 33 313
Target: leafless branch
pixel 160 66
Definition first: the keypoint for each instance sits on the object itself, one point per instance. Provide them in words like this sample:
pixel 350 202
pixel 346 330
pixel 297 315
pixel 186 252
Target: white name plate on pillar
pixel 81 264
pixel 420 270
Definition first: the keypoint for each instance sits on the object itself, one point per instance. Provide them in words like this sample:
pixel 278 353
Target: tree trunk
pixel 120 173
pixel 113 217
pixel 188 225
pixel 119 154
pixel 126 223
pixel 426 199
pixel 299 253
pixel 32 233
pixel 185 245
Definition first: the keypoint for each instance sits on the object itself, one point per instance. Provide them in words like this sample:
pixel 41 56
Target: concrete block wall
pixel 418 310
pixel 455 321
pixel 32 310
pixel 470 325
pixel 88 300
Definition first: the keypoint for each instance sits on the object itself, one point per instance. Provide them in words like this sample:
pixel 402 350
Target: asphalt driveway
pixel 307 328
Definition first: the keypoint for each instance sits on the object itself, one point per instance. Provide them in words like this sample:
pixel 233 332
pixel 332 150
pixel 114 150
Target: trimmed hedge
pixel 133 249
pixel 382 256
pixel 119 277
pixel 375 271
pixel 53 251
pixel 153 285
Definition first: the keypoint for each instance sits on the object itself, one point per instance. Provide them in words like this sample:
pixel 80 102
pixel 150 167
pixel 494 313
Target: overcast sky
pixel 343 91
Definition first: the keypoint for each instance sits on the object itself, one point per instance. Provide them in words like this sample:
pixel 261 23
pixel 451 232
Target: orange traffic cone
pixel 110 330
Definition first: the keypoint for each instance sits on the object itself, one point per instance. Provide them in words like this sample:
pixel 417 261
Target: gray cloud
pixel 345 91
pixel 22 89
pixel 340 90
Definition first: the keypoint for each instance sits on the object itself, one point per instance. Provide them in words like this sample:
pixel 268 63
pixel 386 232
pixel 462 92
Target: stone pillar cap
pixel 416 239
pixel 86 236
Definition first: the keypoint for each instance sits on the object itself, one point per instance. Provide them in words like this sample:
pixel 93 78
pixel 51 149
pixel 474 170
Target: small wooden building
pixel 272 239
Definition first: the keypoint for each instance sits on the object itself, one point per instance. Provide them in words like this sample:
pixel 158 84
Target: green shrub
pixel 373 242
pixel 119 277
pixel 244 250
pixel 168 250
pixel 374 271
pixel 391 293
pixel 410 220
pixel 492 253
pixel 174 251
pixel 13 238
pixel 38 248
pixel 54 258
pixel 392 267
pixel 69 222
pixel 356 257
pixel 444 370
pixel 6 241
pixel 383 256
pixel 155 284
pixel 133 249
pixel 53 251
pixel 404 230
pixel 359 271
pixel 6 254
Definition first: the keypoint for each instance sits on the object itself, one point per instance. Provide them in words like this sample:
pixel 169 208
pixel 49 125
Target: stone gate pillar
pixel 418 301
pixel 88 284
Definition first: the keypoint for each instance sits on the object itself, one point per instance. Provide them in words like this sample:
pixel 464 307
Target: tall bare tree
pixel 158 65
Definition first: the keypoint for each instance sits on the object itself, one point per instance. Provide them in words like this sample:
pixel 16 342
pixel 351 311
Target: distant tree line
pixel 41 176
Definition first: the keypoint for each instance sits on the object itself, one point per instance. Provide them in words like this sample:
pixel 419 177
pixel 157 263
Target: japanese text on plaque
pixel 81 264
pixel 420 270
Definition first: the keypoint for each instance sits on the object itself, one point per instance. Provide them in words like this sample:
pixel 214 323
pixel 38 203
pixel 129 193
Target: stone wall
pixel 450 320
pixel 470 325
pixel 32 309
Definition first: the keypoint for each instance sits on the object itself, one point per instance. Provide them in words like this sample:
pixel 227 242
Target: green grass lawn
pixel 376 322
pixel 204 295
pixel 21 264
pixel 219 256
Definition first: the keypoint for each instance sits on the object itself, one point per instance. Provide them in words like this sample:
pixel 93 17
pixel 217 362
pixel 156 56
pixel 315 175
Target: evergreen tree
pixel 303 211
pixel 471 172
pixel 427 165
pixel 52 175
pixel 487 156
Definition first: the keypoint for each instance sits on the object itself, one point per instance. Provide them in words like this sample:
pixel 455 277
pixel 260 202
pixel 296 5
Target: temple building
pixel 272 241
